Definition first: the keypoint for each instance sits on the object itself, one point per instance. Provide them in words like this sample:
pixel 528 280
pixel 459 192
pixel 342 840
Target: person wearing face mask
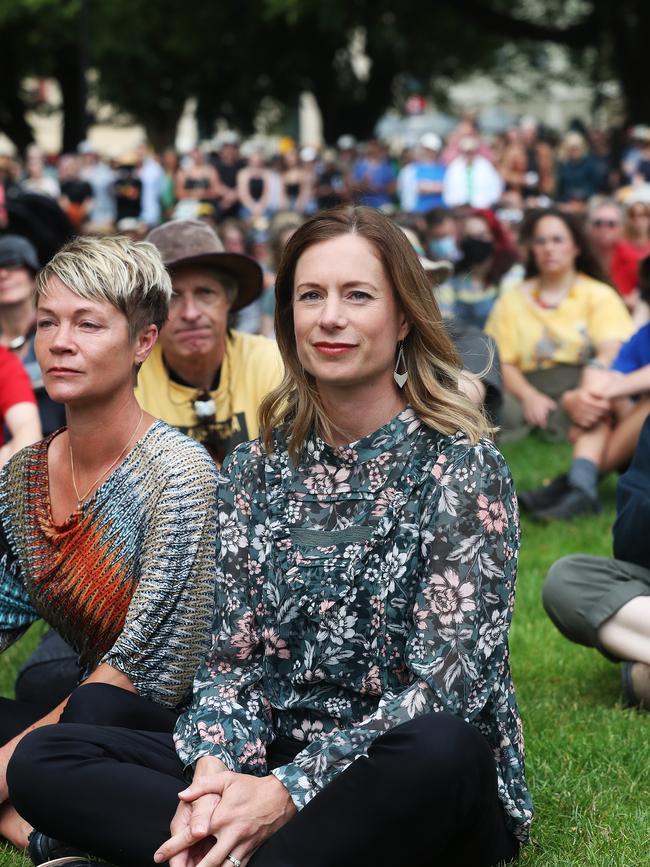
pixel 442 235
pixel 483 262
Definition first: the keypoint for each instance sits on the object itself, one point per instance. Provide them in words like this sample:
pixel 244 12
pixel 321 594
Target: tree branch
pixel 579 35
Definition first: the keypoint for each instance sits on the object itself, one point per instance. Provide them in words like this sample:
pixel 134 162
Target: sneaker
pixel 574 502
pixel 74 861
pixel 544 497
pixel 635 683
pixel 48 852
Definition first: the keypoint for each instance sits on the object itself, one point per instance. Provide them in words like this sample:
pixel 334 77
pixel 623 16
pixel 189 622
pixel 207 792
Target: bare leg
pixel 627 633
pixel 622 442
pixel 13 827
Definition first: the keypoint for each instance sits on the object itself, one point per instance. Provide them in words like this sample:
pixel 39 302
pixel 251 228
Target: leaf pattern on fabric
pixel 336 637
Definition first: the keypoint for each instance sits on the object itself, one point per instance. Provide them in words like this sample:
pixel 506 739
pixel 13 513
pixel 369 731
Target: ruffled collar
pixel 385 439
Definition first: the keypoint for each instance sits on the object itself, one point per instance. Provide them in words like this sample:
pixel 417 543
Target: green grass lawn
pixel 588 759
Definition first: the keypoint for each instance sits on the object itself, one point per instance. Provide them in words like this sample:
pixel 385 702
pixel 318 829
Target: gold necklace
pixel 107 471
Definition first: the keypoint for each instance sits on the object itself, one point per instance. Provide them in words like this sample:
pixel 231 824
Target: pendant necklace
pixel 80 499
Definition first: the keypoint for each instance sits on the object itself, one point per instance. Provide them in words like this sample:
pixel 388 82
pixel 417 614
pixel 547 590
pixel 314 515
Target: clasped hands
pixel 224 813
pixel 590 403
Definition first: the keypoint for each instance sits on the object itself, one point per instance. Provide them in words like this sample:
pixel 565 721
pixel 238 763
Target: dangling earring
pixel 400 378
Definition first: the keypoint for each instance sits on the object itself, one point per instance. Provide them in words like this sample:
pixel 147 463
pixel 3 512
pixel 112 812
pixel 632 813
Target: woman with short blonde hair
pixel 107 526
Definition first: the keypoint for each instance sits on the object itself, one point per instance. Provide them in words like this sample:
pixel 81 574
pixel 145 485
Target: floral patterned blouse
pixel 366 586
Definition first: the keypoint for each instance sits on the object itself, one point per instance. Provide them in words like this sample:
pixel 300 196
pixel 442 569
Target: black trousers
pixel 425 794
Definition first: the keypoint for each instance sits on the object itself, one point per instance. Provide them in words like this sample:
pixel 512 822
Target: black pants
pixel 50 673
pixel 426 793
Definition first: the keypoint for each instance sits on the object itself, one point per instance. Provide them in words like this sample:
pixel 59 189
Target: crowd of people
pixel 269 386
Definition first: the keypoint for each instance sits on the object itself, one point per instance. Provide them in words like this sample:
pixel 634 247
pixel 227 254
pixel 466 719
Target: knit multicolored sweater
pixel 128 579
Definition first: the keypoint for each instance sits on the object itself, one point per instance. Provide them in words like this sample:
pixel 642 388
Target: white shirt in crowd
pixel 472 182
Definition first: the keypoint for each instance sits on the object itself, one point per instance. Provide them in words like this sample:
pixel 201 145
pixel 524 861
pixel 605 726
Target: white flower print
pixel 491 633
pixel 232 533
pixel 325 479
pixel 449 598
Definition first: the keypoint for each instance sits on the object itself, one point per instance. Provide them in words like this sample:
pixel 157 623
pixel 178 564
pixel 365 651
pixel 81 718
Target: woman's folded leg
pixel 426 794
pixel 107 790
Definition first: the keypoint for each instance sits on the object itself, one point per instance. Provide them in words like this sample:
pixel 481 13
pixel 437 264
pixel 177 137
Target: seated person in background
pixel 18 267
pixel 605 230
pixel 619 399
pixel 18 411
pixel 485 257
pixel 631 249
pixel 202 377
pixel 605 603
pixel 548 327
pixel 442 235
pixel 359 676
pixel 420 181
pixel 373 177
pixel 641 314
pixel 480 377
pixel 107 527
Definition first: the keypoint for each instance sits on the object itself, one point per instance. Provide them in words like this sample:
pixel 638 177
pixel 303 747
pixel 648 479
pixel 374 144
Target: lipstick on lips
pixel 333 349
pixel 61 371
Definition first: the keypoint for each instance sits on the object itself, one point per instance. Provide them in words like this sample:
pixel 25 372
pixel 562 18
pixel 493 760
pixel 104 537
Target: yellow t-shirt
pixel 251 368
pixel 535 338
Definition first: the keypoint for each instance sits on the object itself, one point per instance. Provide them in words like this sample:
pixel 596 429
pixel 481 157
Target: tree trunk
pixel 161 130
pixel 12 108
pixel 73 95
pixel 630 25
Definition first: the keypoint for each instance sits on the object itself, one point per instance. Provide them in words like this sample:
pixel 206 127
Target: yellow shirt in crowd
pixel 251 368
pixel 535 338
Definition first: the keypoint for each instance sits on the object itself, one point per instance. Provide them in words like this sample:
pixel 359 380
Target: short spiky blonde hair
pixel 128 274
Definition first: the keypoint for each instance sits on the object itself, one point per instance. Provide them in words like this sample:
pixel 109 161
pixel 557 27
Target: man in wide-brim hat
pixel 203 377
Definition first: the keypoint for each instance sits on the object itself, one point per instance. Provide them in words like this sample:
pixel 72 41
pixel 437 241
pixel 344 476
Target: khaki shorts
pixel 581 592
pixel 552 382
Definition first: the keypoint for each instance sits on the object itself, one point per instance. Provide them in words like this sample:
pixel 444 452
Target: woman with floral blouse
pixel 356 706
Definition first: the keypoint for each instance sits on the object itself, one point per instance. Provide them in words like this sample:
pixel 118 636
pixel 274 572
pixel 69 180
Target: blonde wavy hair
pixel 431 358
pixel 130 275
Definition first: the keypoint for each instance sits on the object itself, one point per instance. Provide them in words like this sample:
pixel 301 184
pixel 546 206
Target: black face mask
pixel 476 251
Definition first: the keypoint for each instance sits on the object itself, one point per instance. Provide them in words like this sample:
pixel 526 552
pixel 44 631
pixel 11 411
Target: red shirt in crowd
pixel 625 265
pixel 15 386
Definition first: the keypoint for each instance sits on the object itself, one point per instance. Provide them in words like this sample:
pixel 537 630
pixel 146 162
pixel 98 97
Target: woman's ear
pixel 144 343
pixel 405 327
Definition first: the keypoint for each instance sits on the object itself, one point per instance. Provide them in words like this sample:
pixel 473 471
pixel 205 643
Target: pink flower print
pixel 438 470
pixel 274 645
pixel 383 501
pixel 449 599
pixel 253 754
pixel 242 504
pixel 246 636
pixel 492 515
pixel 212 734
pixel 420 616
pixel 371 683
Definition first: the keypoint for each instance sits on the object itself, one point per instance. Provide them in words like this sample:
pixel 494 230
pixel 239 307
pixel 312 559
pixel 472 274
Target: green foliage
pixel 587 756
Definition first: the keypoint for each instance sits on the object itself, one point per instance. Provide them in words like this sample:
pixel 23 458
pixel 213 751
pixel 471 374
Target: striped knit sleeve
pixel 16 609
pixel 168 621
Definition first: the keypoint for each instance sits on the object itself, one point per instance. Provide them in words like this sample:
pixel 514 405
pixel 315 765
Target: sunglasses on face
pixel 601 224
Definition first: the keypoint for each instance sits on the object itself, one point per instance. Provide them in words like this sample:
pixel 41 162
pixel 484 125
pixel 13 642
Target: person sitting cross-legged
pixel 605 603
